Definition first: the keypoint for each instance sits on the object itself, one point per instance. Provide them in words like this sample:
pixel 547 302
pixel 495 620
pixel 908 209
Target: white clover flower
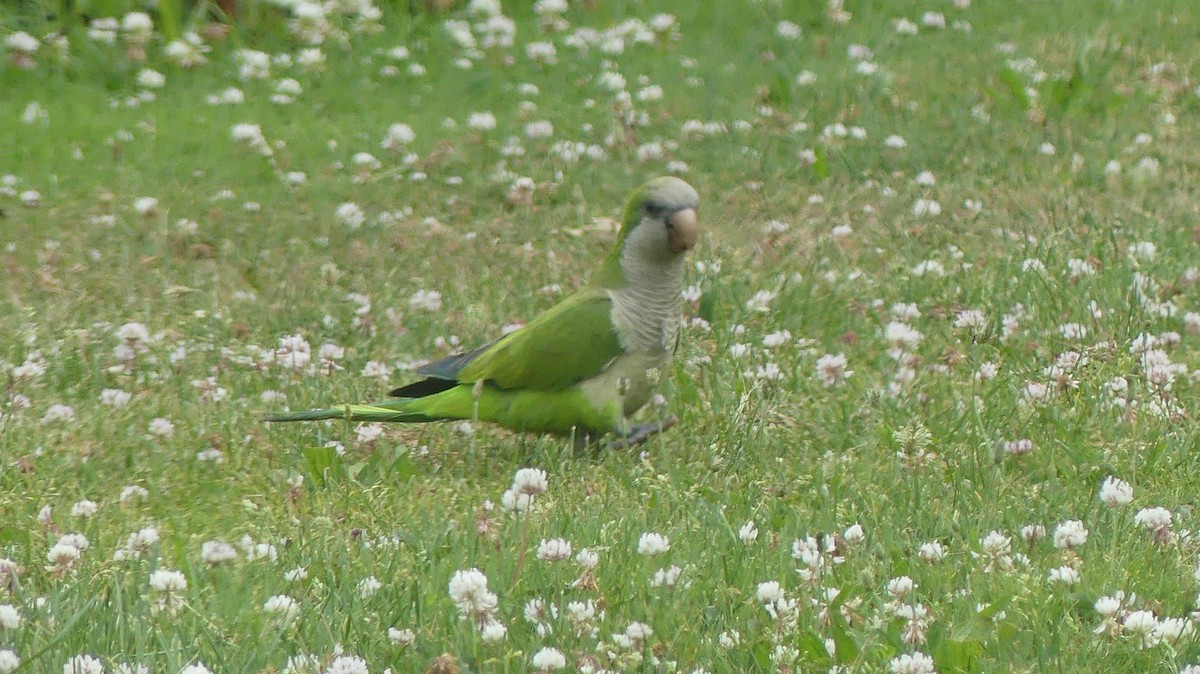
pixel 401 637
pixel 542 52
pixel 649 151
pixel 539 129
pixel 133 492
pixel 841 231
pixel 83 664
pixel 537 613
pixel 186 53
pixel 1033 532
pixel 554 550
pixel 784 656
pixel 282 605
pixel 997 549
pixel 368 586
pixel 1142 625
pixel 481 121
pixel 62 556
pixel 932 552
pixel 531 481
pixel 638 632
pixel 1108 606
pixel 832 369
pixel 148 78
pixel 926 207
pixel 493 632
pixel 549 659
pixel 1153 518
pixel 368 433
pixel 1064 575
pixel 347 664
pixel 1073 331
pixel 84 509
pixel 351 215
pixel 748 533
pixel 22 43
pixel 234 96
pixel 512 501
pixel 1146 169
pixel 311 59
pixel 1157 521
pixel 10 618
pixel 914 663
pixel 137 25
pixel 788 30
pixel 426 300
pixel 398 137
pixel 78 541
pixel 1170 630
pixel 470 593
pixel 651 544
pixel 611 81
pixel 217 552
pixel 777 338
pixel 971 319
pixel 900 587
pixel 365 161
pixel 168 580
pixel 162 427
pixel 650 93
pixel 58 413
pixel 145 206
pixel 661 23
pixel 901 338
pixel 1142 251
pixel 587 558
pixel 928 268
pixel 8 661
pixel 859 52
pixel 1070 534
pixel 769 592
pixel 251 135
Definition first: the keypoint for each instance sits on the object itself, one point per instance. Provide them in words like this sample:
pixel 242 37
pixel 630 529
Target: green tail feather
pixel 392 410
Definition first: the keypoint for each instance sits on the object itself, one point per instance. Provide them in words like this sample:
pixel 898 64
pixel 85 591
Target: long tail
pixel 391 410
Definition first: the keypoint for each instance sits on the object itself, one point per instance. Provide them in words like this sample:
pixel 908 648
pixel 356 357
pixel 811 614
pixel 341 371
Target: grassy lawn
pixel 937 389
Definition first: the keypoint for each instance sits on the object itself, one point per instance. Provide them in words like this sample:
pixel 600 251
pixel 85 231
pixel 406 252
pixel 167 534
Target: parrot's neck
pixel 649 301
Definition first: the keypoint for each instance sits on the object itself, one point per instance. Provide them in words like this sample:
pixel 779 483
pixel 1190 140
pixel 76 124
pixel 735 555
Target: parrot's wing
pixel 440 375
pixel 450 366
pixel 572 341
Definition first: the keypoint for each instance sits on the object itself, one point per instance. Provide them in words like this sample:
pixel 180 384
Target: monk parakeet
pixel 586 364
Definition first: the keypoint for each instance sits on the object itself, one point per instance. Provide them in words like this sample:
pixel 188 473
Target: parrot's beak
pixel 682 230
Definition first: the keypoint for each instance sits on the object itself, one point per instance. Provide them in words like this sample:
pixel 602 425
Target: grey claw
pixel 639 434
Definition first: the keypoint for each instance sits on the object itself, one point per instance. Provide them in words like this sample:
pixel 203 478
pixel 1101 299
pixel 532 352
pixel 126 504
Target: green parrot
pixel 588 363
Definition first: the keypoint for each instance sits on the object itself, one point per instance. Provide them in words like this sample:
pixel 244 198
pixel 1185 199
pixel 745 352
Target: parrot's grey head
pixel 660 221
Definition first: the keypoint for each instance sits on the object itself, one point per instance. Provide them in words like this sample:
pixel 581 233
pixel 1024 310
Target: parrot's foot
pixel 639 434
pixel 582 441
